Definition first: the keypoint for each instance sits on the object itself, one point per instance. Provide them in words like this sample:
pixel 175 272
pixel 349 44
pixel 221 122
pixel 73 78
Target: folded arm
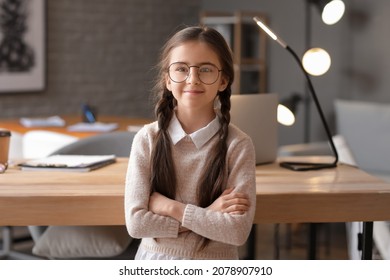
pixel 140 221
pixel 229 218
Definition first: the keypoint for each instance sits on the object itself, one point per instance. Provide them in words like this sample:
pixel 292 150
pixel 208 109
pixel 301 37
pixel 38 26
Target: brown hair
pixel 163 174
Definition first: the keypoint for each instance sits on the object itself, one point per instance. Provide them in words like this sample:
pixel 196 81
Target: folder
pixel 69 163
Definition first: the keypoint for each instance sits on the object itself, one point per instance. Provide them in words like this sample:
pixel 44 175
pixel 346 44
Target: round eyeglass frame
pixel 189 67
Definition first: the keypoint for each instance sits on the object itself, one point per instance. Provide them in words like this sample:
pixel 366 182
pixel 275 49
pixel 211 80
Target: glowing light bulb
pixel 316 61
pixel 333 12
pixel 285 116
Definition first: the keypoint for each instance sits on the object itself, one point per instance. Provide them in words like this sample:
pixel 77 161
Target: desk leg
pixel 251 244
pixel 367 240
pixel 312 249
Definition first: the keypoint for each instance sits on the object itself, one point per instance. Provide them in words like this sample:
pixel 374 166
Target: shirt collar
pixel 199 137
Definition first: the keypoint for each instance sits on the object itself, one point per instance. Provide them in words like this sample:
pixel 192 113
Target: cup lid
pixel 4 133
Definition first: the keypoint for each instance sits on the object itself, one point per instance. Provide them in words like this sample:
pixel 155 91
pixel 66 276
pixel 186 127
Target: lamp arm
pixel 317 103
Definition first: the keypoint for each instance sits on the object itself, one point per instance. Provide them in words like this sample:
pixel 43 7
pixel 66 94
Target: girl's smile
pixel 194 91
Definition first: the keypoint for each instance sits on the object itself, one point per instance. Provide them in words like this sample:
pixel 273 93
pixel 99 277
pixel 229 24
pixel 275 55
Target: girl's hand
pixel 183 229
pixel 231 203
pixel 164 206
pixel 158 204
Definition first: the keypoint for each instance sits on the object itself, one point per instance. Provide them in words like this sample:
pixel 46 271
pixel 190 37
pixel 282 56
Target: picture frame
pixel 22 57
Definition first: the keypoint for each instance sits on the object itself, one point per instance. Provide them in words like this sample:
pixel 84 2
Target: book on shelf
pixel 69 163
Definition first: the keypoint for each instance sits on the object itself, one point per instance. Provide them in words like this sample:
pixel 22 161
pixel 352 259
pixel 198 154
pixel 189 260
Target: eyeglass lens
pixel 207 73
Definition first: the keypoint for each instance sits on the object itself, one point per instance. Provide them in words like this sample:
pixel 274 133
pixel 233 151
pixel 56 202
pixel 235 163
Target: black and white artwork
pixel 22 45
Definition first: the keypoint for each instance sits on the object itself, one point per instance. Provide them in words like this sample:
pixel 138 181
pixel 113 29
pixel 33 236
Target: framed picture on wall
pixel 22 45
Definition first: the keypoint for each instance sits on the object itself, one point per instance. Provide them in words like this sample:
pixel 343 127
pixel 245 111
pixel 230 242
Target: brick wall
pixel 101 52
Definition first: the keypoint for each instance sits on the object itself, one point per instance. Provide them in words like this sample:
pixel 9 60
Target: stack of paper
pixel 80 163
pixel 37 122
pixel 93 127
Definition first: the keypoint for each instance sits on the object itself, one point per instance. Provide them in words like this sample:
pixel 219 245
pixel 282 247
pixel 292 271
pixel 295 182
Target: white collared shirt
pixel 199 137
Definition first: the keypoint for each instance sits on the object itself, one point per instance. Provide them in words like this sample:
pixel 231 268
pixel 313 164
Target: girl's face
pixel 192 93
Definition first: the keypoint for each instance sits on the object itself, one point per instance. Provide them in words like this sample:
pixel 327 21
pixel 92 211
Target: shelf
pixel 247 43
pixel 212 20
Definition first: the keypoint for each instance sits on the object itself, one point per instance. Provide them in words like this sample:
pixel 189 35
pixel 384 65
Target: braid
pixel 224 115
pixel 215 173
pixel 163 176
pixel 212 185
pixel 164 110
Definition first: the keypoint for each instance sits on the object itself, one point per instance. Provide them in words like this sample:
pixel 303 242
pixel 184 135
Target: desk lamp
pixel 303 166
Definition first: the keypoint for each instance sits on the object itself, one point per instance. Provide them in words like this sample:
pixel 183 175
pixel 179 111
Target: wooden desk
pixel 63 198
pixel 341 194
pixel 123 122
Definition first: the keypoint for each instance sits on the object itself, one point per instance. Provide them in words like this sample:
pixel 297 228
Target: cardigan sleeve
pixel 223 227
pixel 141 222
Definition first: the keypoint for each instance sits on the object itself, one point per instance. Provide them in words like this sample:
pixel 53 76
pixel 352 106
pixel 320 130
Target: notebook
pixel 70 163
pixel 256 115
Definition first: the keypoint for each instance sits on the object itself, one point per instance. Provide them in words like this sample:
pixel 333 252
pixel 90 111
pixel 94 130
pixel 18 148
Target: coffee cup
pixel 5 136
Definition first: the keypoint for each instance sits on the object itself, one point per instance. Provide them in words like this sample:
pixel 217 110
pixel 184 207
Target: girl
pixel 190 185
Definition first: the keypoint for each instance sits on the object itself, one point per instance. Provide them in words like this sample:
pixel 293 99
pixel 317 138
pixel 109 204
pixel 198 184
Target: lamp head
pixel 331 10
pixel 316 61
pixel 287 109
pixel 285 116
pixel 269 32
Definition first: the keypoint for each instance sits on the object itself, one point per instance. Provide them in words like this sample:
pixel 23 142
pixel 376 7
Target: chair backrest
pixel 117 143
pixel 41 143
pixel 366 129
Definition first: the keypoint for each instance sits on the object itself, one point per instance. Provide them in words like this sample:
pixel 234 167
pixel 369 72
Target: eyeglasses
pixel 179 72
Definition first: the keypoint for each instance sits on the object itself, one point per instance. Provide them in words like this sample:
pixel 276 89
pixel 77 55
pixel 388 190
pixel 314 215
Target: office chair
pixel 87 242
pixel 116 143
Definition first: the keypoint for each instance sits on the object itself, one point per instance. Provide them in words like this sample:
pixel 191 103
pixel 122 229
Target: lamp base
pixel 306 166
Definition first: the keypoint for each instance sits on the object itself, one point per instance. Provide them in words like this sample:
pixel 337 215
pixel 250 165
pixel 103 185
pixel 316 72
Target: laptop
pixel 256 115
